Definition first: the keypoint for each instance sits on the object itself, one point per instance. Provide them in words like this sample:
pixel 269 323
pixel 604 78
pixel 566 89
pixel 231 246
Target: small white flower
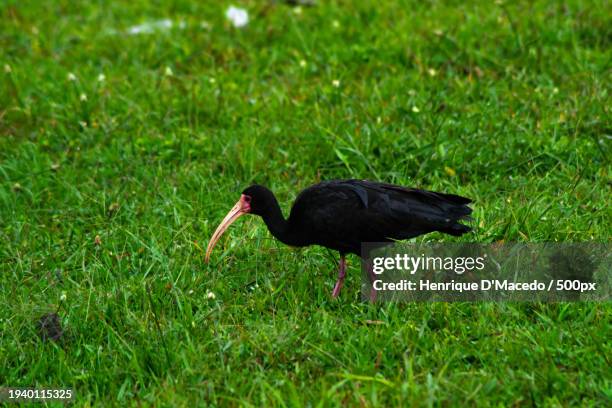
pixel 297 10
pixel 71 77
pixel 336 24
pixel 101 78
pixel 432 72
pixel 336 83
pixel 415 109
pixel 168 71
pixel 211 80
pixel 190 292
pixel 210 295
pixel 555 90
pixel 303 63
pixel 7 68
pixel 238 16
pixel 83 97
pixel 63 297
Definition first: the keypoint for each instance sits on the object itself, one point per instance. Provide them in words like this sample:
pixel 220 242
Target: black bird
pixel 341 214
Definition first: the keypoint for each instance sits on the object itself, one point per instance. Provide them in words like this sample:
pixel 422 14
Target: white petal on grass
pixel 101 78
pixel 168 71
pixel 336 83
pixel 210 295
pixel 238 16
pixel 83 97
pixel 415 109
pixel 71 77
pixel 151 26
pixel 7 68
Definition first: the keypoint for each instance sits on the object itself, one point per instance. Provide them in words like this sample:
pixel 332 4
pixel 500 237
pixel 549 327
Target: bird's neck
pixel 277 224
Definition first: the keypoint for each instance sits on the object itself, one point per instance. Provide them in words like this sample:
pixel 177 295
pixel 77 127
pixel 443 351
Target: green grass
pixel 506 103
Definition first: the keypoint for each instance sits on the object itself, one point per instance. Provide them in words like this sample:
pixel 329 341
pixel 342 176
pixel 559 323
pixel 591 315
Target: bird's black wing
pixel 341 214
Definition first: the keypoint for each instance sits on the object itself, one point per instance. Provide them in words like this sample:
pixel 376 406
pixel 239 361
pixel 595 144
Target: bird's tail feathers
pixel 456 230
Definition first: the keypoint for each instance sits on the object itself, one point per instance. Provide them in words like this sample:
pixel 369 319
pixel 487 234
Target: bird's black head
pixel 259 198
pixel 256 200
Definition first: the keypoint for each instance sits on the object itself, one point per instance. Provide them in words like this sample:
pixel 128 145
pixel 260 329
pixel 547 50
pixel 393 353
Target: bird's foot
pixel 341 276
pixel 372 295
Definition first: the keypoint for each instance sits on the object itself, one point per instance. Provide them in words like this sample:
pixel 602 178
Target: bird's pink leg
pixel 341 276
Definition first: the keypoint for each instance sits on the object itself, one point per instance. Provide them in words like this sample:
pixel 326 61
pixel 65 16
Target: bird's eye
pixel 247 199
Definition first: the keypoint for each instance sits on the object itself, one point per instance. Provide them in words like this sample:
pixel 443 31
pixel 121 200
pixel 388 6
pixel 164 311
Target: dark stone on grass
pixel 49 327
pixel 572 264
pixel 58 275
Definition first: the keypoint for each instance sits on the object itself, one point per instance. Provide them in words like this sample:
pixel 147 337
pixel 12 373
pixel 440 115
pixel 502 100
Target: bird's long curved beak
pixel 242 207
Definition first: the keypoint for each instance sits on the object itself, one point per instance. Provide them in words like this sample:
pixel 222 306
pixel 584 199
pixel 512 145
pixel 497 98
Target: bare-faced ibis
pixel 341 214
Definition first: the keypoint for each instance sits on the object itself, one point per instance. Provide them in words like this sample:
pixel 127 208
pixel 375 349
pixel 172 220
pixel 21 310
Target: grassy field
pixel 121 150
